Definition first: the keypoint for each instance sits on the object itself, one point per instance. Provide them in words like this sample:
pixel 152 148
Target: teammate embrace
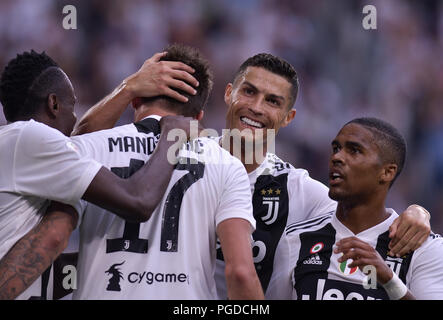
pixel 172 255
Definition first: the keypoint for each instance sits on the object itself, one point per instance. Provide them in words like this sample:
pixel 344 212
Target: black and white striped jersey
pixel 281 195
pixel 308 268
pixel 172 255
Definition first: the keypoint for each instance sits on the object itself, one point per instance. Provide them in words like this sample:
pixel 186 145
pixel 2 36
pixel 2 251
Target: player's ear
pixel 228 92
pixel 289 117
pixel 200 115
pixel 388 173
pixel 53 106
pixel 136 102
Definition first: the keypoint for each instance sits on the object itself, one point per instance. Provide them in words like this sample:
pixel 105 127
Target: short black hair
pixel 18 99
pixel 193 58
pixel 389 140
pixel 275 65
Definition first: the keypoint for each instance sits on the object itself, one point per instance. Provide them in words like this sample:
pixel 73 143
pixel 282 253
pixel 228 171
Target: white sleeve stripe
pixel 309 223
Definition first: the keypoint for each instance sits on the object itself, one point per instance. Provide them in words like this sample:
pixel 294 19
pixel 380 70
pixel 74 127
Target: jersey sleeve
pixel 426 278
pixel 91 145
pixel 48 165
pixel 311 196
pixel 236 198
pixel 80 207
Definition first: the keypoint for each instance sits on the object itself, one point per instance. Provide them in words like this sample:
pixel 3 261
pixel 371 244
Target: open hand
pixel 156 78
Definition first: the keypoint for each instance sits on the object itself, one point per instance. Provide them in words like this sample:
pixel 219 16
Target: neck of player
pixel 251 158
pixel 144 111
pixel 362 215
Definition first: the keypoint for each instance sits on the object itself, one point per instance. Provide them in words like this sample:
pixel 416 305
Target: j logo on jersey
pixel 270 199
pixel 394 263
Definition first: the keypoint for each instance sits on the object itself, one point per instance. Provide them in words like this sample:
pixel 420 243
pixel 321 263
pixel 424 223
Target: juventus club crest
pixel 271 199
pixel 268 197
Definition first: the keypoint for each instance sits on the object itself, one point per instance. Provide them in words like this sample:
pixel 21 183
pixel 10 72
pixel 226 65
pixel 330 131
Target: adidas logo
pixel 314 260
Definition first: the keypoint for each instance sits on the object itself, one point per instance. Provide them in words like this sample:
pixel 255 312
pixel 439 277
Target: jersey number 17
pixel 131 241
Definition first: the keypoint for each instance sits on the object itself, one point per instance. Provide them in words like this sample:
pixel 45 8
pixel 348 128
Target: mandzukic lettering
pixel 144 145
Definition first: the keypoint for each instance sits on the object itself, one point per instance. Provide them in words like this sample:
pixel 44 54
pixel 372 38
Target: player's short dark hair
pixel 20 93
pixel 390 142
pixel 193 58
pixel 275 65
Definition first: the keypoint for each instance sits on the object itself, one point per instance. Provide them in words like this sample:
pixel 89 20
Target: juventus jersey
pixel 38 164
pixel 309 269
pixel 172 255
pixel 281 195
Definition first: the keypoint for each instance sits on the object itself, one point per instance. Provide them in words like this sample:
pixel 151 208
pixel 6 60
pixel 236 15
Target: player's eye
pixel 274 102
pixel 248 91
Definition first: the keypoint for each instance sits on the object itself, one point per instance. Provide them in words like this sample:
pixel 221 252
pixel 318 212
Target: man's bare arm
pixel 154 78
pixel 134 199
pixel 36 251
pixel 241 278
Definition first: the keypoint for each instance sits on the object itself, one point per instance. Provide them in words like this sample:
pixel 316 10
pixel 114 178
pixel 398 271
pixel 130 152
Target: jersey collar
pixel 153 116
pixel 368 233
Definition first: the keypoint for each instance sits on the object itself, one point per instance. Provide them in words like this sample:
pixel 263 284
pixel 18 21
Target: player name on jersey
pixel 327 289
pixel 145 145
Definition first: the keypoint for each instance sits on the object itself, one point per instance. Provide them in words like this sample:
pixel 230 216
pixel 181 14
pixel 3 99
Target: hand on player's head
pixel 157 78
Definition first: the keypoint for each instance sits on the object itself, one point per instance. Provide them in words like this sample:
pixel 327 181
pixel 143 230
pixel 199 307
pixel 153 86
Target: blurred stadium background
pixel 394 72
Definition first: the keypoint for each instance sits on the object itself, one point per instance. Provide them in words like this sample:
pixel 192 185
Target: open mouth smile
pixel 251 123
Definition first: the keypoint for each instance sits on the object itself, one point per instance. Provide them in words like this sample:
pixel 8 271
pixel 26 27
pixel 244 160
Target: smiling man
pixel 325 258
pixel 261 100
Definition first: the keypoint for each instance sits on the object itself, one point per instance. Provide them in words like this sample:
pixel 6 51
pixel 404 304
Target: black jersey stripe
pixel 309 223
pixel 398 265
pixel 306 274
pixel 148 125
pixel 269 230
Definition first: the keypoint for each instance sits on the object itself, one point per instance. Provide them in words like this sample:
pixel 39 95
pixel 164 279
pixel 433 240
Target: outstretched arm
pixel 154 78
pixel 241 278
pixel 409 230
pixel 134 199
pixel 36 251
